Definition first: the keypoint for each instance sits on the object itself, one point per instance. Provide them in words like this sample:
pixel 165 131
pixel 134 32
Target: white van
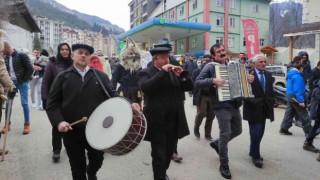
pixel 279 73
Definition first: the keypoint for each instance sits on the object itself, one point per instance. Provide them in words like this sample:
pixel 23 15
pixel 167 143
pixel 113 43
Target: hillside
pixel 72 18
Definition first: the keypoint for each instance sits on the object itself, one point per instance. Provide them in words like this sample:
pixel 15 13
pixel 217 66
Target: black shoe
pixel 260 158
pixel 309 147
pixel 209 138
pixel 285 132
pixel 225 172
pixel 215 146
pixel 92 177
pixel 257 162
pixel 196 133
pixel 56 156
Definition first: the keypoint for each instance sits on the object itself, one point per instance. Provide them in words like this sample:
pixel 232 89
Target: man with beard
pixel 306 65
pixel 125 73
pixel 227 112
pixel 202 100
pixel 162 84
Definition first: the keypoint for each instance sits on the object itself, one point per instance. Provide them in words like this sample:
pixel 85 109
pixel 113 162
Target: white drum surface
pixel 102 138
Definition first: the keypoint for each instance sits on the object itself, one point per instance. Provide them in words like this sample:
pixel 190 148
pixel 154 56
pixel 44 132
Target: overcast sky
pixel 115 11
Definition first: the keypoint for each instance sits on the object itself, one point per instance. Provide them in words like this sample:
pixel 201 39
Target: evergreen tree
pixel 37 43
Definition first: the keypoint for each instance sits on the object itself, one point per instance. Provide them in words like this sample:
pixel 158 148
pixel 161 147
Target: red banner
pixel 251 35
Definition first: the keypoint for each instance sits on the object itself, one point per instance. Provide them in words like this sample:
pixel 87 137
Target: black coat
pixel 190 66
pixel 260 108
pixel 161 98
pixel 315 75
pixel 128 83
pixel 72 98
pixel 21 65
pixel 197 93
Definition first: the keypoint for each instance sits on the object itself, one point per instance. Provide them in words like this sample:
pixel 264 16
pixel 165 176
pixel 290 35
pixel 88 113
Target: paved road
pixel 30 155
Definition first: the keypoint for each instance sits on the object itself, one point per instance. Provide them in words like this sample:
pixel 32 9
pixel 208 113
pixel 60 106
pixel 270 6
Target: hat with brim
pixel 159 50
pixel 84 46
pixel 163 43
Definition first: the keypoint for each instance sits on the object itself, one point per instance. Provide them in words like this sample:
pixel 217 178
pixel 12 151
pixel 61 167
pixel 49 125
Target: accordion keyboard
pixel 224 91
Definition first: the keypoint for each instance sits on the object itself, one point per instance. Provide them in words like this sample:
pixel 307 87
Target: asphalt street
pixel 284 159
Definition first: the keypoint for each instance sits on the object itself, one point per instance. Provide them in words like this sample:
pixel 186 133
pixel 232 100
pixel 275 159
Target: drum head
pixel 109 123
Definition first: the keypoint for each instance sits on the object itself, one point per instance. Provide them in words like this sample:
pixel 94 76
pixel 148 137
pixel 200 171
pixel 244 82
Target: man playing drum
pixel 162 84
pixel 75 94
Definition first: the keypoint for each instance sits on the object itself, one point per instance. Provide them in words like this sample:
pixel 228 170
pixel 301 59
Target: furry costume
pixel 125 72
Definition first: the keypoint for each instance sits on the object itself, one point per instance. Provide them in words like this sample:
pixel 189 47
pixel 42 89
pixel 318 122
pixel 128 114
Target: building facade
pixel 140 10
pixel 225 18
pixel 50 32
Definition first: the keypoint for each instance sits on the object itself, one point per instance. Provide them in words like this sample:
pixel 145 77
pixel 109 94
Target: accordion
pixel 236 82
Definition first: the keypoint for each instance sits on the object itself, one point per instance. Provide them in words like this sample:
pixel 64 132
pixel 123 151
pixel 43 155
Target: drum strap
pixel 100 82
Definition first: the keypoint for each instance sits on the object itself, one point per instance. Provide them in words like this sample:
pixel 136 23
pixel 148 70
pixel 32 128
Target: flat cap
pixel 159 50
pixel 85 46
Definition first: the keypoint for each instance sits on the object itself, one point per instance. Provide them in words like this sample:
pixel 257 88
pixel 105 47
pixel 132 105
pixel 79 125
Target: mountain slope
pixel 72 18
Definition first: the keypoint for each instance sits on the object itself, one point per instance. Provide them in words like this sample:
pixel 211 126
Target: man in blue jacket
pixel 296 100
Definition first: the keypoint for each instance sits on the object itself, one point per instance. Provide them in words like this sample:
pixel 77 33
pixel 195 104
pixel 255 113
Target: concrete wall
pixel 19 38
pixel 310 11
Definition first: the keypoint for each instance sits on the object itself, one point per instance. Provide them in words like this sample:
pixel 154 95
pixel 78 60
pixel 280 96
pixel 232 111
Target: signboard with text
pixel 251 35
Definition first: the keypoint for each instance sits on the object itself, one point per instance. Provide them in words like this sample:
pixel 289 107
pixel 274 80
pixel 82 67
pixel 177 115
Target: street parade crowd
pixel 74 82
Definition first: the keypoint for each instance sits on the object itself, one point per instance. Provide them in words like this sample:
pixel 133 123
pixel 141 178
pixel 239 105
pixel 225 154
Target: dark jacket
pixel 128 83
pixel 190 66
pixel 315 75
pixel 307 67
pixel 52 69
pixel 161 99
pixel 197 93
pixel 21 65
pixel 260 108
pixel 204 80
pixel 72 98
pixel 315 100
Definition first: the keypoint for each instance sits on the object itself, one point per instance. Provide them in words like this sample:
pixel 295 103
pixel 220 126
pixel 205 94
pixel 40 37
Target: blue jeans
pixel 23 90
pixel 256 134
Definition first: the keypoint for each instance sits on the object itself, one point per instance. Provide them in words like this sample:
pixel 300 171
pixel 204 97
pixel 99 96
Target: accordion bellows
pixel 237 85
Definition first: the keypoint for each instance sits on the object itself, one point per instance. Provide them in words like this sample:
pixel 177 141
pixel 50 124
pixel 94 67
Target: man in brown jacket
pixel 6 81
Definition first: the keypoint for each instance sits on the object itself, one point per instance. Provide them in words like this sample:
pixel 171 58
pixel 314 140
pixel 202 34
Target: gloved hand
pixel 12 93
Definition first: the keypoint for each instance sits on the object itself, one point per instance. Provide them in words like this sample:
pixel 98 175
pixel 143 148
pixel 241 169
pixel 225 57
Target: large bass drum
pixel 115 127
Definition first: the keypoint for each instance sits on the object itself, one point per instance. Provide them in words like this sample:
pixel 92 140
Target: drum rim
pixel 131 115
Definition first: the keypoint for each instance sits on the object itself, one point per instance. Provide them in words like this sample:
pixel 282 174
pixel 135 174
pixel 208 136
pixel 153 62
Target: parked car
pixel 279 73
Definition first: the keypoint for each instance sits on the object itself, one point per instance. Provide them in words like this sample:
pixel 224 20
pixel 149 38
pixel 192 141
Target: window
pixel 232 4
pixel 244 41
pixel 165 15
pixel 194 4
pixel 181 11
pixel 194 42
pixel 220 2
pixel 261 42
pixel 195 20
pixel 219 40
pixel 231 42
pixel 181 45
pixel 220 21
pixel 172 15
pixel 232 22
pixel 255 7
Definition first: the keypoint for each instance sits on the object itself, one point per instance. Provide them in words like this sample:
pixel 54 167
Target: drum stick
pixel 294 99
pixel 7 126
pixel 84 119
